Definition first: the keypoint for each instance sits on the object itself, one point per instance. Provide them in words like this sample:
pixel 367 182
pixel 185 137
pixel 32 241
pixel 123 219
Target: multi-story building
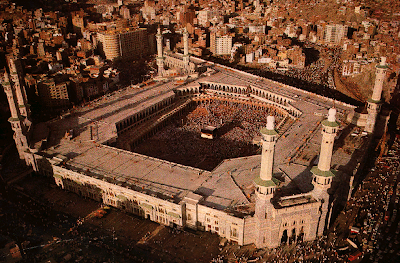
pixel 109 41
pixel 133 43
pixel 148 10
pixel 333 34
pixel 78 22
pixel 220 45
pixel 206 15
pixel 123 43
pixel 52 94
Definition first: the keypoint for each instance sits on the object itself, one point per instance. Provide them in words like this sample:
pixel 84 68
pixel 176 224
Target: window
pixel 234 232
pixel 265 215
pixel 189 217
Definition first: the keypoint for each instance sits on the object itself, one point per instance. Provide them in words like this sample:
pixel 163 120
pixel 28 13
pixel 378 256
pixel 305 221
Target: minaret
pixel 374 103
pixel 322 174
pixel 186 49
pixel 10 97
pixel 22 100
pixel 16 120
pixel 268 146
pixel 160 58
pixel 265 187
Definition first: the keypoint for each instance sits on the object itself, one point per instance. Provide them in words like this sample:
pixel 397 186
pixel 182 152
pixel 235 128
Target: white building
pixel 237 200
pixel 206 15
pixel 220 45
pixel 250 57
pixel 333 34
pixel 257 29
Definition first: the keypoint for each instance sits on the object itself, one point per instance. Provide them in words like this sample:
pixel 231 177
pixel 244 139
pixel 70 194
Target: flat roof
pixel 231 184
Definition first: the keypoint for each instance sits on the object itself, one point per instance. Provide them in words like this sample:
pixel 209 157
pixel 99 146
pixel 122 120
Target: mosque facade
pixel 182 196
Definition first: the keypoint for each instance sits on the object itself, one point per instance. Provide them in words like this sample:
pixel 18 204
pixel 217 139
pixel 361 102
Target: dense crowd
pixel 237 126
pixel 247 121
pixel 375 209
pixel 313 73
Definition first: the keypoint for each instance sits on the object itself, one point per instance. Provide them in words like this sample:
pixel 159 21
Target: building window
pixel 234 232
pixel 189 217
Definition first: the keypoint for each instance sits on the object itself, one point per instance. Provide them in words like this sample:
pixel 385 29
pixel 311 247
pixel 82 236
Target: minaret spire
pixel 160 58
pixel 268 143
pixel 374 103
pixel 19 89
pixel 329 130
pixel 265 183
pixel 186 48
pixel 19 108
pixel 323 174
pixel 10 97
pixel 328 137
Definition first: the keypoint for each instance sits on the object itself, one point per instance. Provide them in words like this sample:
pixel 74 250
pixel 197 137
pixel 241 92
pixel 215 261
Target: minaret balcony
pixel 322 178
pixel 265 187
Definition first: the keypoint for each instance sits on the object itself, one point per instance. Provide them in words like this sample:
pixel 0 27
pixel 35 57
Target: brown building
pixel 78 22
pixel 52 94
pixel 128 43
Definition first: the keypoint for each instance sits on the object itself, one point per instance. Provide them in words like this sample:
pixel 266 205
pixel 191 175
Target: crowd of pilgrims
pixel 235 121
pixel 237 126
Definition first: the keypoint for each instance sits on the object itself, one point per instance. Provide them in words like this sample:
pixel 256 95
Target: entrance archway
pixel 284 237
pixel 292 238
pixel 300 236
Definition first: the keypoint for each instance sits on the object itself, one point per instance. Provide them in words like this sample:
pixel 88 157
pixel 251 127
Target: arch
pixel 300 236
pixel 284 237
pixel 292 238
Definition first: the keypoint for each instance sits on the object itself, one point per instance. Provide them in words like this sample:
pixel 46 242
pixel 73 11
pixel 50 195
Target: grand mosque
pixel 309 154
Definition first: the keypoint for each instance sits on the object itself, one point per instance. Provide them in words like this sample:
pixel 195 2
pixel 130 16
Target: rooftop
pixel 231 184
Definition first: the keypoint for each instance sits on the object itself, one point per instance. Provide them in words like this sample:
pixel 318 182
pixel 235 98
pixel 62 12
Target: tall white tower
pixel 186 49
pixel 16 97
pixel 268 147
pixel 265 187
pixel 160 58
pixel 16 79
pixel 374 103
pixel 322 174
